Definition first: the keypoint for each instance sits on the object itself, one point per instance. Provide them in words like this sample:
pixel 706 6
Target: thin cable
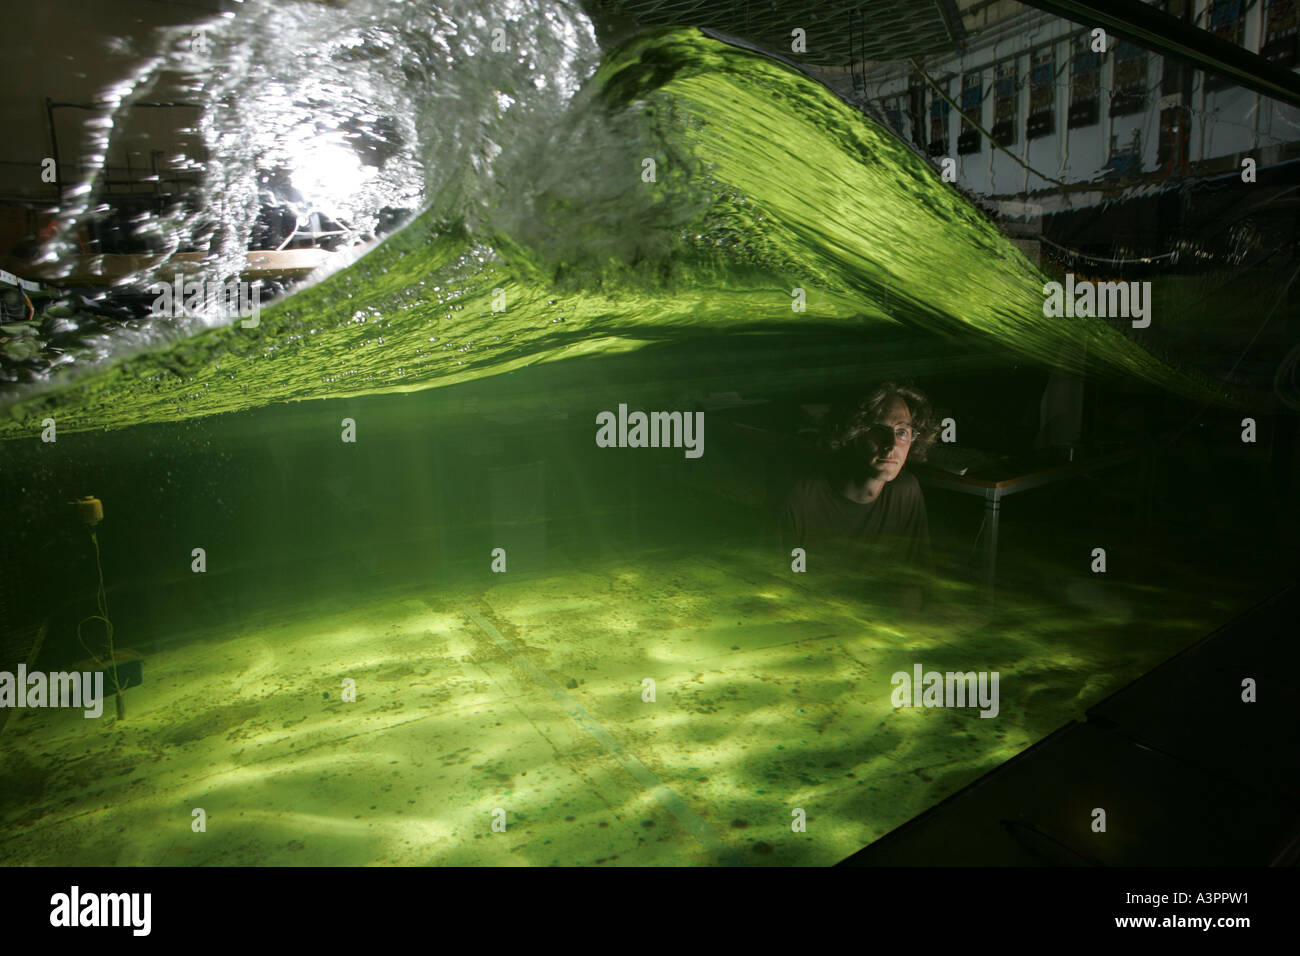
pixel 987 135
pixel 101 603
pixel 979 534
pixel 1286 369
pixel 1286 288
pixel 1267 318
pixel 293 234
pixel 1108 261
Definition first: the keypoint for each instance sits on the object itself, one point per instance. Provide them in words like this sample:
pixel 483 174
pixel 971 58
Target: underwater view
pixel 539 433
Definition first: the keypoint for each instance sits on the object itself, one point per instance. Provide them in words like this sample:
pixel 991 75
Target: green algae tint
pixel 768 183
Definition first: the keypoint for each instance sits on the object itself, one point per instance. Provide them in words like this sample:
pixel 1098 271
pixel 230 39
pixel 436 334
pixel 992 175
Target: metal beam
pixel 1161 33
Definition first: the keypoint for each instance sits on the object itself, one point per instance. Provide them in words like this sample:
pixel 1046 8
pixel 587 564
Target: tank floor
pixel 521 701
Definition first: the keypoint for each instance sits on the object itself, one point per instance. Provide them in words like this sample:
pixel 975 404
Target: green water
pixel 522 692
pixel 766 182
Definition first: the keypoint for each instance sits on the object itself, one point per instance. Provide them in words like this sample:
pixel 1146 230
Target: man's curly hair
pixel 849 422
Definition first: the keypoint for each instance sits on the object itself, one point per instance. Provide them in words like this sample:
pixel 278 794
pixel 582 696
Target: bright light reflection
pixel 327 172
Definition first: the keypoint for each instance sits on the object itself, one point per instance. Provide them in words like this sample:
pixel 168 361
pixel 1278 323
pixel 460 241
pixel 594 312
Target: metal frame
pixel 1161 33
pixel 51 106
pixel 994 491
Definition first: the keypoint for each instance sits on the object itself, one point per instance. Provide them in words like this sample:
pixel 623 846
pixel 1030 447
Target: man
pixel 861 509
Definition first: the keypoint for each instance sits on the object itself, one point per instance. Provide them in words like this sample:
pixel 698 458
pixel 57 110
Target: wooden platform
pixel 108 269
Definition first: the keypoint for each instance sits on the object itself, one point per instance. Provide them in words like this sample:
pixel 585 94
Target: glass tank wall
pixel 392 572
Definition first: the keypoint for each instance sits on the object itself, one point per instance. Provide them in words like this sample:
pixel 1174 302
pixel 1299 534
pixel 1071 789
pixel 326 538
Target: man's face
pixel 885 452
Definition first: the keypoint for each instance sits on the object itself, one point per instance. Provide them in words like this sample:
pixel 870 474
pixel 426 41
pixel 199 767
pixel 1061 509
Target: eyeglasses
pixel 903 434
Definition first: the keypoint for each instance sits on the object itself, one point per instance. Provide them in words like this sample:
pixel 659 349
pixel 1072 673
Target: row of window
pixel 1129 90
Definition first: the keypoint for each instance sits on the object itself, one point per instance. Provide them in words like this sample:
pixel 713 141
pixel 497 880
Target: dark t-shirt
pixel 892 529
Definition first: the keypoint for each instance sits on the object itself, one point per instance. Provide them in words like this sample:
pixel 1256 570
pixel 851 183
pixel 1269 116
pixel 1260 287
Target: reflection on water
pixel 550 273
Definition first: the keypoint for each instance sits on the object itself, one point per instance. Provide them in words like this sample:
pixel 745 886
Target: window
pixel 1280 21
pixel 1006 101
pixel 1130 83
pixel 1176 76
pixel 1085 83
pixel 939 125
pixel 893 114
pixel 1042 94
pixel 1125 156
pixel 1227 23
pixel 916 110
pixel 1175 126
pixel 972 104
